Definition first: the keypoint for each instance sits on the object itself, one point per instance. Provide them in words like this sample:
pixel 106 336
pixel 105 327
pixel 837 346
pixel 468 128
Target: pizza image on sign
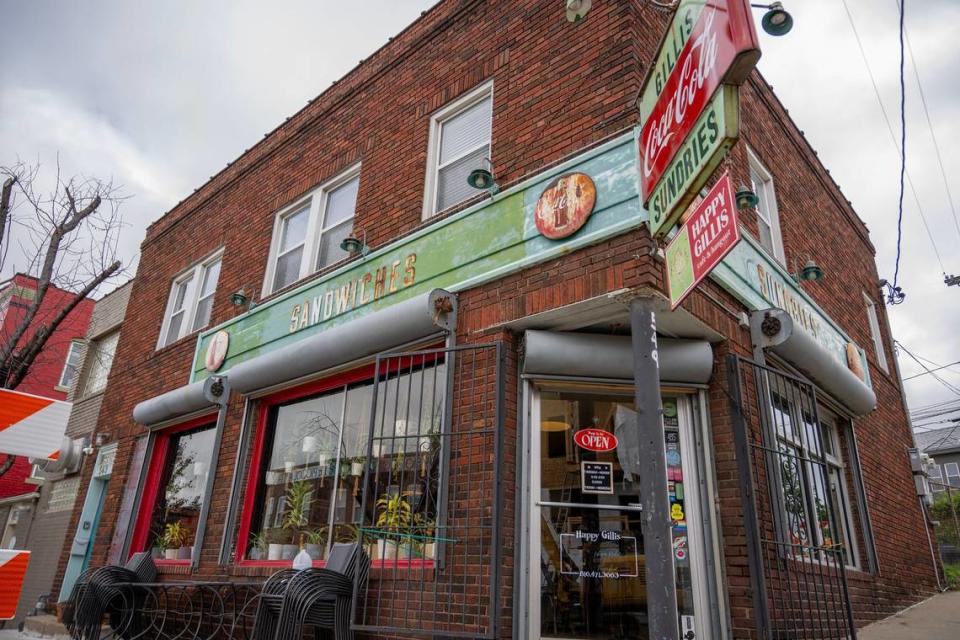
pixel 565 205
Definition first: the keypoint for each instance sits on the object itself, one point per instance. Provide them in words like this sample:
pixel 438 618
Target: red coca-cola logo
pixel 565 205
pixel 595 440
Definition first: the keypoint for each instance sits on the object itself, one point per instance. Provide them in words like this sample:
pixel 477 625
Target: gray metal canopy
pixel 822 367
pixel 401 323
pixel 593 355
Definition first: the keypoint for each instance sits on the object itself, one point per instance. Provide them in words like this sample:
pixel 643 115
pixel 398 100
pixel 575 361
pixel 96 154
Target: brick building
pixel 49 376
pixel 456 392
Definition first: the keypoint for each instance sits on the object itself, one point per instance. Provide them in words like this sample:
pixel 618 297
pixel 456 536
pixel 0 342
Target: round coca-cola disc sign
pixel 565 205
pixel 595 440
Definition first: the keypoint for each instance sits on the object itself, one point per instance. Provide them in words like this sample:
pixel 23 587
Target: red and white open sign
pixel 595 440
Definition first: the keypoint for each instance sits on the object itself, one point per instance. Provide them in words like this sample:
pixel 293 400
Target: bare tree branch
pixel 68 239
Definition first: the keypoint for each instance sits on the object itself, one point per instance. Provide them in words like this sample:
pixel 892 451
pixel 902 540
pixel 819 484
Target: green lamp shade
pixel 480 179
pixel 811 272
pixel 351 244
pixel 746 199
pixel 777 21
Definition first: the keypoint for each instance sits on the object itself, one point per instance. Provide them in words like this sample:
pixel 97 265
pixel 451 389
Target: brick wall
pixel 558 88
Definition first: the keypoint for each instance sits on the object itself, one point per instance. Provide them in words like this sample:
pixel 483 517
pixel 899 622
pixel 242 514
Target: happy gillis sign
pixel 722 48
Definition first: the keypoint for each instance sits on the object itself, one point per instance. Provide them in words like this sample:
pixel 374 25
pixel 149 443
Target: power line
pixel 903 150
pixel 946 366
pixel 893 137
pixel 928 369
pixel 933 135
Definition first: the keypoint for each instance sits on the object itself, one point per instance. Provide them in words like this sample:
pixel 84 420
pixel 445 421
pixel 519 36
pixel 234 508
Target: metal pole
pixel 657 526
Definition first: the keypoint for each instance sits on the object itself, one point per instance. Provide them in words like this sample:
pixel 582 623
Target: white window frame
pixel 316 200
pixel 74 345
pixel 767 195
pixel 190 303
pixel 93 359
pixel 874 321
pixel 461 104
pixel 947 475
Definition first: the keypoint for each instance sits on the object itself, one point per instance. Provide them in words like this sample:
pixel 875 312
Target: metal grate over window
pixel 432 496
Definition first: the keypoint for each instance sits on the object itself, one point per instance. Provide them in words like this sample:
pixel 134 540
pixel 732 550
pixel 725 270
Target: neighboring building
pixel 50 376
pixel 59 483
pixel 943 446
pixel 496 473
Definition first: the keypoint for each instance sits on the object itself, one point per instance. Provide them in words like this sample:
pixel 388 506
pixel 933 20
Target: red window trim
pixel 359 374
pixel 151 487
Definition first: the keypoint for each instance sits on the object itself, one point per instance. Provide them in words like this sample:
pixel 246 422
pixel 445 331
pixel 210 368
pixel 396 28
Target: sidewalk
pixel 935 619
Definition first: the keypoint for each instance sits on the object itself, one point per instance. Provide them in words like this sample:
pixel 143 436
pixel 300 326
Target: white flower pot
pixel 289 552
pixel 356 468
pixel 171 554
pixel 275 551
pixel 184 553
pixel 314 550
pixel 386 550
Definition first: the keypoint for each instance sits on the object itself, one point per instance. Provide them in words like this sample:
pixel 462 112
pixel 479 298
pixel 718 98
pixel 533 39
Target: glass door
pixel 586 543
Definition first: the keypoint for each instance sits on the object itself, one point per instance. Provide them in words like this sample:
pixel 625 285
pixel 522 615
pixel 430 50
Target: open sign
pixel 595 440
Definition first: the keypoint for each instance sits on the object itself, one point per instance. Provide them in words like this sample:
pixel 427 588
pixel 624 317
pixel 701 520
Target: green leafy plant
pixel 297 502
pixel 159 542
pixel 316 536
pixel 346 533
pixel 394 513
pixel 260 542
pixel 175 535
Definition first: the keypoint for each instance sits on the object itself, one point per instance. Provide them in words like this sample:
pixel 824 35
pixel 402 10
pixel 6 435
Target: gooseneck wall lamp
pixel 355 246
pixel 482 178
pixel 777 21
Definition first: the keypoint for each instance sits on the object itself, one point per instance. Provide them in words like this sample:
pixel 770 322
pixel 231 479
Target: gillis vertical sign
pixel 703 241
pixel 681 143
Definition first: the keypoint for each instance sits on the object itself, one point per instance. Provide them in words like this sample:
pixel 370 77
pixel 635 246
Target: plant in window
pixel 393 522
pixel 316 539
pixel 275 543
pixel 347 533
pixel 259 546
pixel 159 546
pixel 175 536
pixel 297 501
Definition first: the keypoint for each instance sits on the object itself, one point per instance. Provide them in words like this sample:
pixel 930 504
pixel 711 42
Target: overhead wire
pixel 946 366
pixel 893 138
pixel 928 370
pixel 933 135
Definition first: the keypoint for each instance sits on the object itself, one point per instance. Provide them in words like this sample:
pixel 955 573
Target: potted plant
pixel 174 535
pixel 259 546
pixel 316 539
pixel 426 527
pixel 395 517
pixel 275 538
pixel 159 547
pixel 297 503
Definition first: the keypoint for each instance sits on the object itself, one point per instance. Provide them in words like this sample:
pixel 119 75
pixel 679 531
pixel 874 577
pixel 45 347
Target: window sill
pixel 269 567
pixel 173 567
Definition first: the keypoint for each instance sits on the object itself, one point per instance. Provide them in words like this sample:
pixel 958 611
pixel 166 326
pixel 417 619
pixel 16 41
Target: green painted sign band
pixel 714 133
pixel 681 25
pixel 758 281
pixel 477 245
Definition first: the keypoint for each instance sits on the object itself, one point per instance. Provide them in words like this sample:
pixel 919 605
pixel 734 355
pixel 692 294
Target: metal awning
pixel 30 425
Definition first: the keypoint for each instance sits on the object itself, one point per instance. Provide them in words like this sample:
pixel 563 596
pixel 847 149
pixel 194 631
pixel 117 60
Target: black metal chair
pixel 321 598
pixel 98 593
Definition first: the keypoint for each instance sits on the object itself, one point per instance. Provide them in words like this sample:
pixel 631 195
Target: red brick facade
pixel 558 89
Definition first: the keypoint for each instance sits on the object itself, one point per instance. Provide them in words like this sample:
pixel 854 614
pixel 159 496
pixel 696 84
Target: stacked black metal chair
pixel 321 598
pixel 105 591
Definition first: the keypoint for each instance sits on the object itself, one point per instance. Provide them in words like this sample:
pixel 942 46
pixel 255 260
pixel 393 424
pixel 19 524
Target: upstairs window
pixel 875 332
pixel 191 300
pixel 100 360
pixel 70 366
pixel 768 217
pixel 307 235
pixel 460 136
pixel 952 471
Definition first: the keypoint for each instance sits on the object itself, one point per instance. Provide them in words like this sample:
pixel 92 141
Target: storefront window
pixel 314 460
pixel 183 480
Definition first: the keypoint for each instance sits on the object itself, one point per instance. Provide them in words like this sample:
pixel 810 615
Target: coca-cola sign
pixel 722 48
pixel 595 440
pixel 565 205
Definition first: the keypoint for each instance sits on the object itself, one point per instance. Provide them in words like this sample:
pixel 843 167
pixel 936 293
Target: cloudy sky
pixel 160 96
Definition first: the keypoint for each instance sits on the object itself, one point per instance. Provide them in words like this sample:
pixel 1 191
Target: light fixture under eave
pixel 239 298
pixel 355 246
pixel 577 9
pixel 553 426
pixel 746 199
pixel 482 178
pixel 811 272
pixel 777 21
